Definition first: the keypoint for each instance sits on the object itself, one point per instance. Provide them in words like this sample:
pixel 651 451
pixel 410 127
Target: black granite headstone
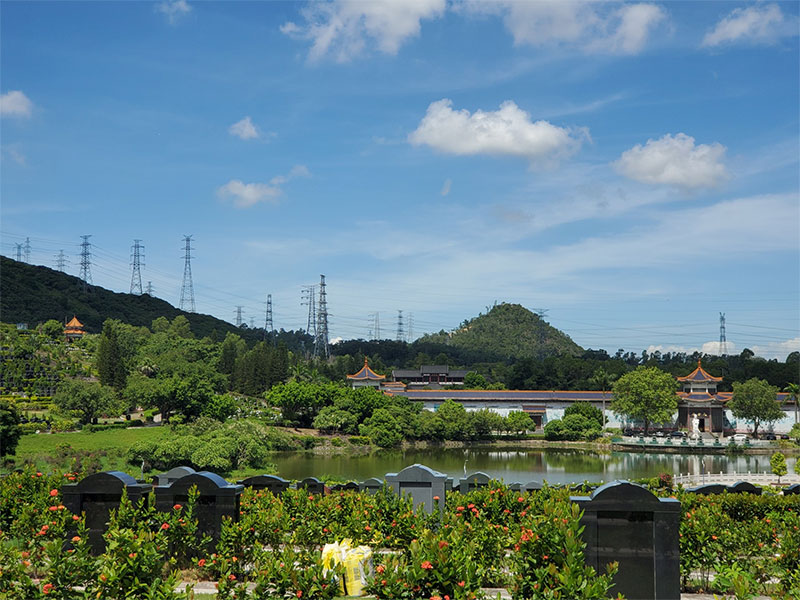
pixel 312 485
pixel 423 484
pixel 625 522
pixel 172 475
pixel 708 489
pixel 350 486
pixel 97 495
pixel 271 483
pixel 371 485
pixel 217 499
pixel 792 489
pixel 744 487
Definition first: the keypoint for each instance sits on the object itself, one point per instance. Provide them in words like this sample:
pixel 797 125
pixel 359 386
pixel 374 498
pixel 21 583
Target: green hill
pixel 508 331
pixel 33 294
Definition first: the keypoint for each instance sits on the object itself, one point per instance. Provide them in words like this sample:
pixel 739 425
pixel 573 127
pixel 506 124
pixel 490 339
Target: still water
pixel 522 464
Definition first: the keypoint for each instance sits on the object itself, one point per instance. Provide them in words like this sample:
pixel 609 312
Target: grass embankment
pixel 100 450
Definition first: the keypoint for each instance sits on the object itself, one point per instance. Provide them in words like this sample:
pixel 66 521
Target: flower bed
pixel 492 537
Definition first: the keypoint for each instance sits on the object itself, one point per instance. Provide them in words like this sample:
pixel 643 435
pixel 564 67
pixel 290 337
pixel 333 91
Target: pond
pixel 518 464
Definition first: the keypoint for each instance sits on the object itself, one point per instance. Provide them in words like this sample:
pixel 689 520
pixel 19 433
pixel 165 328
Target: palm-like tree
pixel 794 393
pixel 604 380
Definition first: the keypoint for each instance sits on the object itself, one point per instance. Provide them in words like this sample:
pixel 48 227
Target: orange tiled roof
pixel 74 324
pixel 366 374
pixel 699 375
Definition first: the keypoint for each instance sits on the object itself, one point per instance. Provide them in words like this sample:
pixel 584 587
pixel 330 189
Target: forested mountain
pixel 34 294
pixel 508 331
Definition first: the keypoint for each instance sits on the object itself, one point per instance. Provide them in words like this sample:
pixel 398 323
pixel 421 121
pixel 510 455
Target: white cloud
pixel 759 24
pixel 674 160
pixel 15 155
pixel 174 10
pixel 341 28
pixel 592 26
pixel 506 131
pixel 448 183
pixel 244 195
pixel 779 350
pixel 15 104
pixel 244 129
pixel 715 348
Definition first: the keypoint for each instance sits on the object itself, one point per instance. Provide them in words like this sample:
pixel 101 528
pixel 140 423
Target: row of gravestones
pixel 622 522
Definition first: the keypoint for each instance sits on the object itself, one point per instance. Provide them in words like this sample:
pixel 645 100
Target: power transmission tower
pixel 322 348
pixel 86 261
pixel 18 252
pixel 375 326
pixel 187 289
pixel 410 337
pixel 308 297
pixel 541 329
pixel 268 326
pixel 61 261
pixel 239 316
pixel 401 336
pixel 28 250
pixel 149 289
pixel 723 341
pixel 137 254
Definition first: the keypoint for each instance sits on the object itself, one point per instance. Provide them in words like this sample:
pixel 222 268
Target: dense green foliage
pixel 754 401
pixel 508 331
pixel 86 400
pixel 10 431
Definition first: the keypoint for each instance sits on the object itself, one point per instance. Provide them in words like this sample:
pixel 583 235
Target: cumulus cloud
pixel 779 350
pixel 674 160
pixel 758 24
pixel 15 104
pixel 448 183
pixel 244 129
pixel 244 195
pixel 592 26
pixel 174 10
pixel 343 28
pixel 715 348
pixel 506 131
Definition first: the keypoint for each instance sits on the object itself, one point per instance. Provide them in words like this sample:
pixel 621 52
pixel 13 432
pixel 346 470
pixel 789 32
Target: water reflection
pixel 520 464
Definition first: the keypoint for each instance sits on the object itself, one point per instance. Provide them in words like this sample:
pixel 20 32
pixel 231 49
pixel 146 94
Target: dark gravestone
pixel 708 489
pixel 532 486
pixel 626 523
pixel 271 483
pixel 515 487
pixel 792 489
pixel 350 486
pixel 172 475
pixel 473 482
pixel 217 499
pixel 425 486
pixel 449 484
pixel 744 487
pixel 99 494
pixel 312 485
pixel 371 485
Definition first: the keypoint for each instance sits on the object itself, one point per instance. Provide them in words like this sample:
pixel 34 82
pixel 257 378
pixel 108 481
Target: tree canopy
pixel 755 400
pixel 646 394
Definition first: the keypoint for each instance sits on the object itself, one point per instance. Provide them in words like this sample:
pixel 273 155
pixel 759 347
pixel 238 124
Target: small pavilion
pixel 74 330
pixel 366 377
pixel 698 396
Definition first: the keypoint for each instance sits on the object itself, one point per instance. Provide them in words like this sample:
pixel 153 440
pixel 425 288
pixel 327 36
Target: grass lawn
pixel 103 450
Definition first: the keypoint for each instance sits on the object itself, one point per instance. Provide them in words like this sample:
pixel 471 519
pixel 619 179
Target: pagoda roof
pixel 366 374
pixel 705 397
pixel 74 323
pixel 699 375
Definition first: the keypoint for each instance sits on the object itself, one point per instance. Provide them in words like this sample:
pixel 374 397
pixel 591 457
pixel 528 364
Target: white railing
pixel 728 478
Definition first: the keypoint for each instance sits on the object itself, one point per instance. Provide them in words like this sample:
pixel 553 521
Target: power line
pixel 28 250
pixel 149 289
pixel 238 312
pixel 18 252
pixel 375 326
pixel 86 262
pixel 308 297
pixel 136 262
pixel 187 287
pixel 410 335
pixel 401 336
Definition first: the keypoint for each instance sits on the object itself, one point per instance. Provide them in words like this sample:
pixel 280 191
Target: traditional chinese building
pixel 432 376
pixel 74 330
pixel 366 377
pixel 698 396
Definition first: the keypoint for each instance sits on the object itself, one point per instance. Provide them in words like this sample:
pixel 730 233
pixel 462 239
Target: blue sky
pixel 630 167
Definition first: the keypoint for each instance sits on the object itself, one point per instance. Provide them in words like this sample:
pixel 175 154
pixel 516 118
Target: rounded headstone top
pixel 204 480
pixel 624 491
pixel 110 480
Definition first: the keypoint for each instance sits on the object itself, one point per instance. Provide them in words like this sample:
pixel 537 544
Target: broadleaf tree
pixel 647 394
pixel 756 401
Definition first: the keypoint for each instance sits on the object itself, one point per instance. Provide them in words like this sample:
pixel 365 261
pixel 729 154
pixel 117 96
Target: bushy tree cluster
pixel 581 421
